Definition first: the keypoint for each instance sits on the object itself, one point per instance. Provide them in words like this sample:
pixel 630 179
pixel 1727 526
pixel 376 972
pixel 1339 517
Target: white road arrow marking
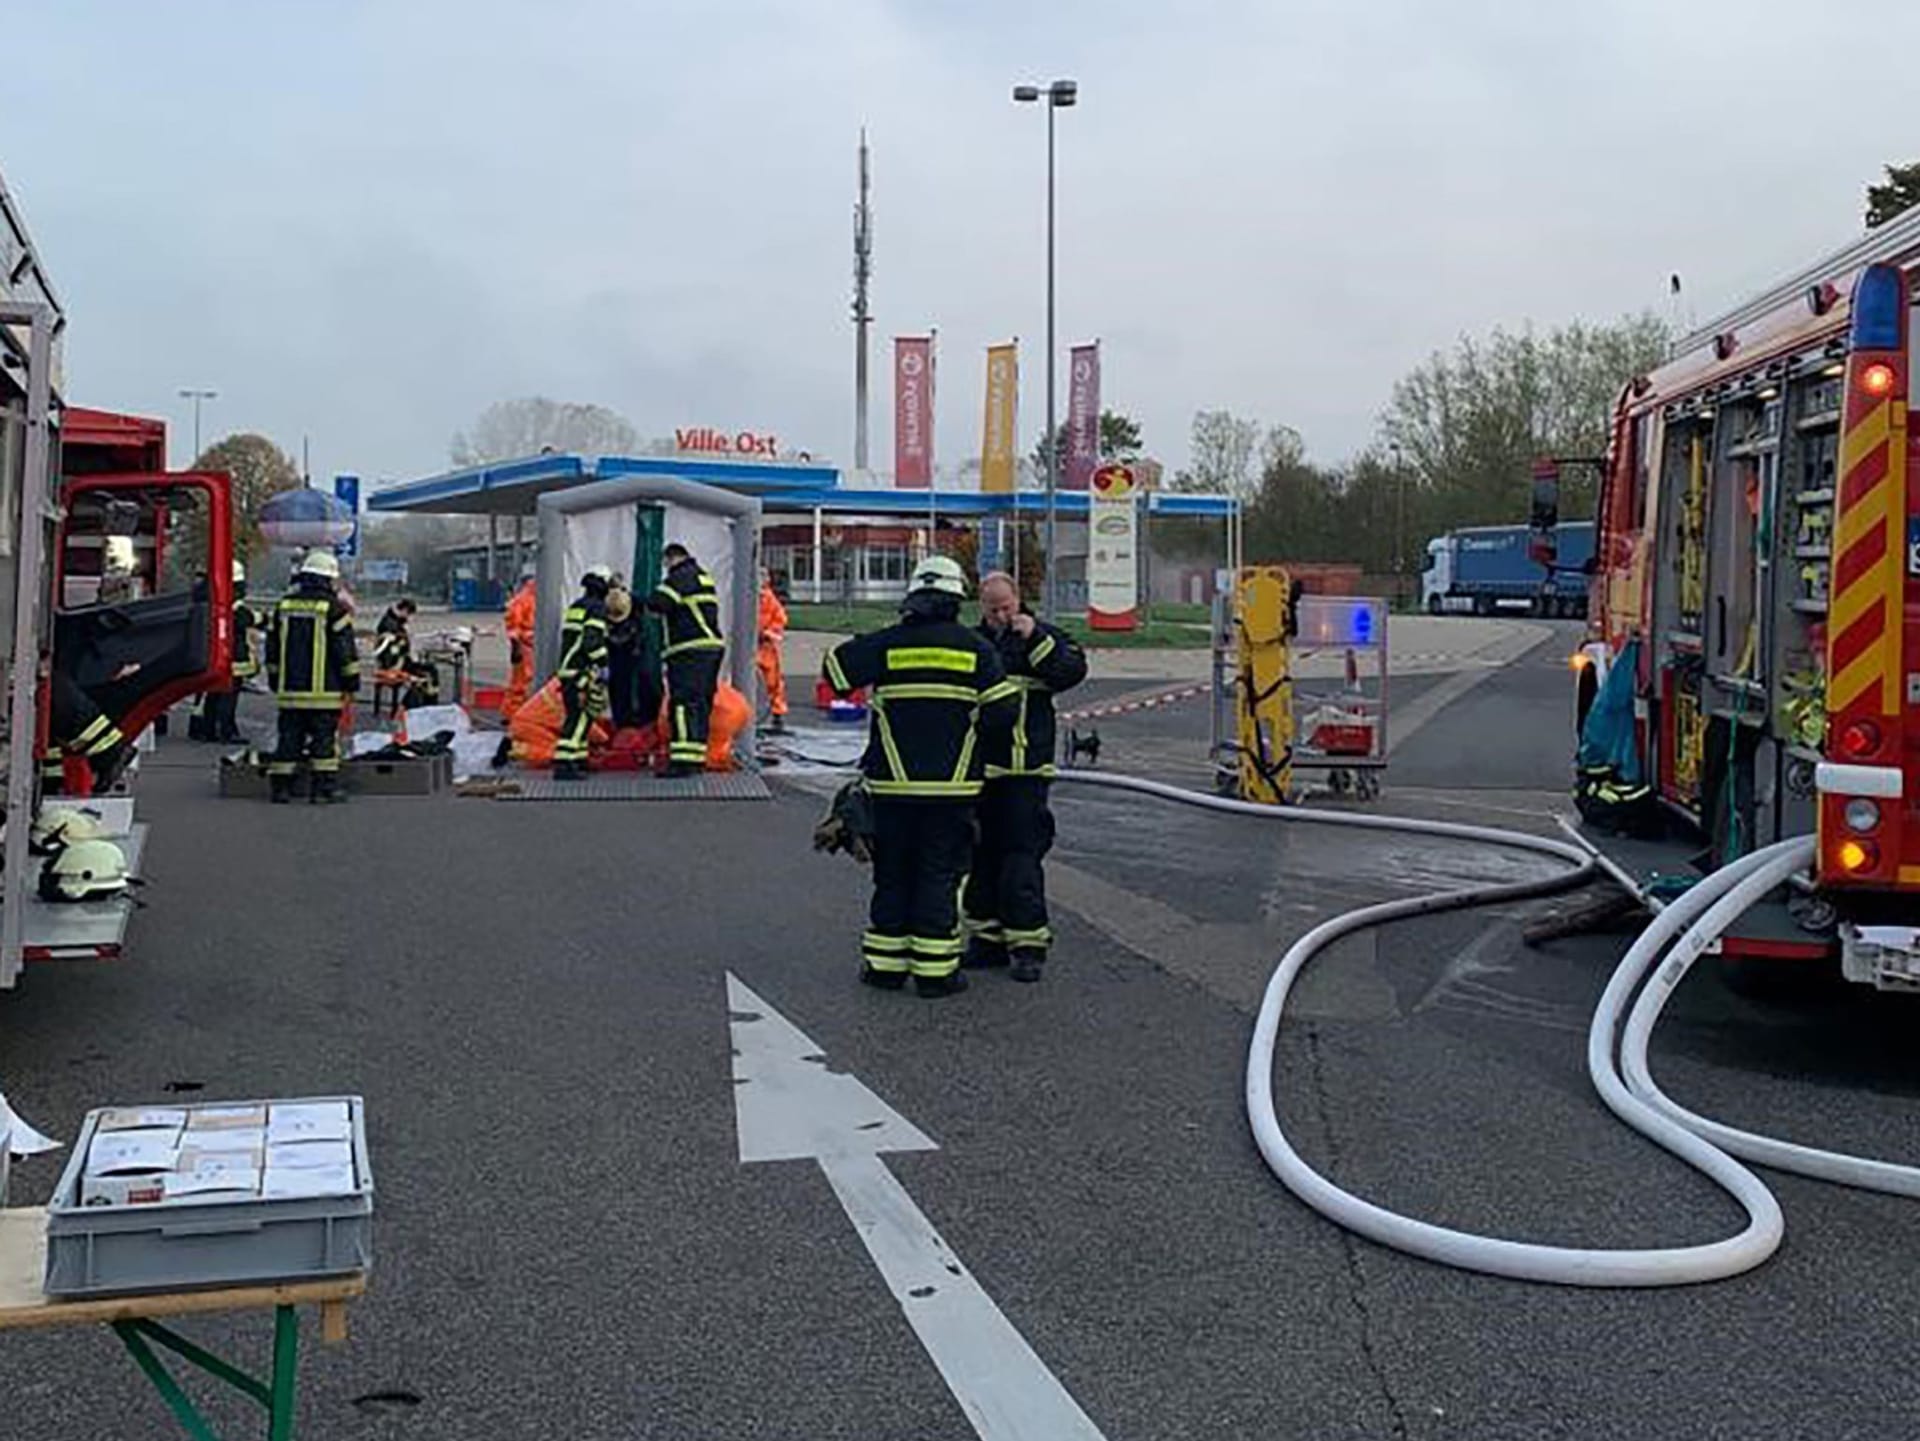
pixel 790 1106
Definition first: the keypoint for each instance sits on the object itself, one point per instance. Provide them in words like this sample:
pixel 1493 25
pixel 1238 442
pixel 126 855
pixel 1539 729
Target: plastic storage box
pixel 181 1246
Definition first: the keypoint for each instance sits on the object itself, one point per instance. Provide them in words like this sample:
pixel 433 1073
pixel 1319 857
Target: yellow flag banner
pixel 1000 441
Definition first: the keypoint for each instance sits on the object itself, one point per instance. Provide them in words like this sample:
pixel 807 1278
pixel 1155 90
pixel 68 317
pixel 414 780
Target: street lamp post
pixel 1058 95
pixel 196 396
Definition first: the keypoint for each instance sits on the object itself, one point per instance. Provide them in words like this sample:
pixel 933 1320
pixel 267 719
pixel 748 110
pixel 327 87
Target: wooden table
pixel 136 1321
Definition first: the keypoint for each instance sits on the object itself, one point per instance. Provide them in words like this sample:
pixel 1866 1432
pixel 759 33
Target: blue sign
pixel 993 545
pixel 347 488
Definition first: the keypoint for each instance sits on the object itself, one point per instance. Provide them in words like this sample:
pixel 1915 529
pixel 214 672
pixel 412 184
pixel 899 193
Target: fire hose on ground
pixel 1616 1059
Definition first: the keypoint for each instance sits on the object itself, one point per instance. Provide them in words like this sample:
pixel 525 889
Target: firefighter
pixel 690 604
pixel 521 635
pixel 583 652
pixel 939 700
pixel 1005 903
pixel 393 651
pixel 220 709
pixel 773 633
pixel 77 726
pixel 314 666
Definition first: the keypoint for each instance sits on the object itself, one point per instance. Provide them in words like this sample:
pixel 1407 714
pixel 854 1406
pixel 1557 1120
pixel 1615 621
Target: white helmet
pixel 239 573
pixel 600 572
pixel 84 871
pixel 323 563
pixel 939 573
pixel 118 556
pixel 60 826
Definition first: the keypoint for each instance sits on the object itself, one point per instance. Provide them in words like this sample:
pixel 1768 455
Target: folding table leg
pixel 286 1361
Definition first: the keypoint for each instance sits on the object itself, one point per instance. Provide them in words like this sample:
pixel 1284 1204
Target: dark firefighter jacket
pixel 392 642
pixel 687 600
pixel 247 620
pixel 583 639
pixel 937 699
pixel 1041 666
pixel 312 660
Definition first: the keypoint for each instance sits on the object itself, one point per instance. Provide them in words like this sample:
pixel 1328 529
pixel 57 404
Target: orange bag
pixel 535 727
pixel 730 716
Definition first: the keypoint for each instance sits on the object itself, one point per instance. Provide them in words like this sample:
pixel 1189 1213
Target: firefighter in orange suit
pixel 773 632
pixel 520 639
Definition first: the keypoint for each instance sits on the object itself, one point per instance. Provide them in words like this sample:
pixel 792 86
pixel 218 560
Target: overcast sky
pixel 364 222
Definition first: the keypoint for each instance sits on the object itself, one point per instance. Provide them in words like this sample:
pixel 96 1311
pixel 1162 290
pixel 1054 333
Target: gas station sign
pixel 1113 562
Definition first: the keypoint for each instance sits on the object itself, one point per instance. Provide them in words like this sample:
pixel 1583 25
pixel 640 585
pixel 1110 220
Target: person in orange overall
pixel 520 638
pixel 773 630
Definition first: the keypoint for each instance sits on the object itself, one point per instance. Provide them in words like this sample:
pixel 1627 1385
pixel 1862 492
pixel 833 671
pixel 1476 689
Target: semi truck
pixel 1756 611
pixel 1492 567
pixel 85 499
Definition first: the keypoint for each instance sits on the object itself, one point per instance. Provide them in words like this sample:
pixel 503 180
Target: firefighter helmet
pixel 323 563
pixel 57 827
pixel 940 573
pixel 84 871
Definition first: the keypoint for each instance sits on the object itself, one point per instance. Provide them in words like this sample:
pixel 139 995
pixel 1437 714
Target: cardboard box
pixel 309 1121
pixel 228 1118
pixel 129 1167
pixel 142 1118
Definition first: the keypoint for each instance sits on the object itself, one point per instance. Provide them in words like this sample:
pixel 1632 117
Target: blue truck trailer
pixel 1487 568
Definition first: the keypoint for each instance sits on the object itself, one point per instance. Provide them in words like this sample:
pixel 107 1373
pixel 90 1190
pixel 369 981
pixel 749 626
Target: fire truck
pixel 115 587
pixel 1757 567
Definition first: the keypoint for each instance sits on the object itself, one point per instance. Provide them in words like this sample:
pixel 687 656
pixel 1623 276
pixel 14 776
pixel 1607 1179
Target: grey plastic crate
pixel 123 1250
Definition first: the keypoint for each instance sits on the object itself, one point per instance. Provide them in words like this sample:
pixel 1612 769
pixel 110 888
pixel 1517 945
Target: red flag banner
pixel 913 411
pixel 1083 416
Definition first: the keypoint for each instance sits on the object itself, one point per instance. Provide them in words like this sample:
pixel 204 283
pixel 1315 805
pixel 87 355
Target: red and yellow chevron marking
pixel 1864 605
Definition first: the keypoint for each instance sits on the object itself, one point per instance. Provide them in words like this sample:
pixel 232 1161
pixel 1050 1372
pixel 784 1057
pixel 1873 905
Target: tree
pixel 1901 192
pixel 509 429
pixel 1119 440
pixel 1468 425
pixel 259 470
pixel 1220 454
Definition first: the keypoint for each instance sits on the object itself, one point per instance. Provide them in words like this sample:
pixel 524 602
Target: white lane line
pixel 789 1105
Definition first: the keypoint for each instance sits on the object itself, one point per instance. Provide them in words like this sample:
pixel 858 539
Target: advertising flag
pixel 1083 416
pixel 913 411
pixel 1000 440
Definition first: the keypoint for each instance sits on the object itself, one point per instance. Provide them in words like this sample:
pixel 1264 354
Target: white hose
pixel 1702 913
pixel 1859 1171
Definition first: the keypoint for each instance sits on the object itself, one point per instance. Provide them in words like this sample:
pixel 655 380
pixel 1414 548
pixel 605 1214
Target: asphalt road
pixel 531 998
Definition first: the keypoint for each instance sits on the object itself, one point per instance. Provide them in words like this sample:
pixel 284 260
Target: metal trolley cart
pixel 1340 720
pixel 1328 713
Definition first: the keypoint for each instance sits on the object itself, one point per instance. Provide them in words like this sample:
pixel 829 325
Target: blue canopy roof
pixel 513 487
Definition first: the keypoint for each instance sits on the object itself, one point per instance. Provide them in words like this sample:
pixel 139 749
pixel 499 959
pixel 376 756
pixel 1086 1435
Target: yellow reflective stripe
pixel 318 683
pixel 930 691
pixel 687 645
pixel 1003 773
pixel 965 763
pixel 107 742
pixel 1040 652
pixel 345 622
pixel 874 941
pixel 836 673
pixel 92 731
pixel 1020 735
pixel 894 766
pixel 998 692
pixel 1027 682
pixel 944 946
pixel 933 657
pixel 943 789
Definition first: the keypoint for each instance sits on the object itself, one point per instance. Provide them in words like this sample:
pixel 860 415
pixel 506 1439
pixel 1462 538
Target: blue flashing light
pixel 1879 308
pixel 1362 625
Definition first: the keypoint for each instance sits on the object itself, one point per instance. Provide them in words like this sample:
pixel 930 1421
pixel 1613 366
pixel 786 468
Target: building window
pixel 885 563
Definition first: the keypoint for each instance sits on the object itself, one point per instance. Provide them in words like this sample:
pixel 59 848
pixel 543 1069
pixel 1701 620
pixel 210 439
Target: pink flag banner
pixel 1083 416
pixel 913 411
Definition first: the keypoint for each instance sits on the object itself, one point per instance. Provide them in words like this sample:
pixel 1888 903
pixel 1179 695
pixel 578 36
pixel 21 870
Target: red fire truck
pixel 1758 558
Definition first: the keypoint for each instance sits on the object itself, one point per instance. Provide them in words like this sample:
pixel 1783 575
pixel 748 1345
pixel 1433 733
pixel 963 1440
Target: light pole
pixel 196 396
pixel 1058 95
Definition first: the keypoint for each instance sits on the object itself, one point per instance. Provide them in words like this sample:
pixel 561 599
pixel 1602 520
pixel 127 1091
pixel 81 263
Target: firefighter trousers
pixel 692 678
pixel 920 850
pixel 1006 895
pixel 570 746
pixel 312 736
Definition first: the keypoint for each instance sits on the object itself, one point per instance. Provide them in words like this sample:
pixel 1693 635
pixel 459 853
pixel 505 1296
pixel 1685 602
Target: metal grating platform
pixel 728 786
